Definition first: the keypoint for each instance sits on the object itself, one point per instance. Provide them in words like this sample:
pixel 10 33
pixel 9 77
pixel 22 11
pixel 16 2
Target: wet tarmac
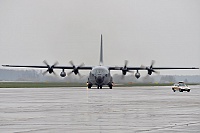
pixel 78 110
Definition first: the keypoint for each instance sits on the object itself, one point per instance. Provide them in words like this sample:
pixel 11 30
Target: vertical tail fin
pixel 101 52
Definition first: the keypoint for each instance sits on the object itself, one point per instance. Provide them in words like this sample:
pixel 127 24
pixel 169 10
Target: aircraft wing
pixel 128 68
pixel 50 69
pixel 54 67
pixel 25 66
pixel 150 68
pixel 71 67
pixel 146 68
pixel 163 68
pixel 110 68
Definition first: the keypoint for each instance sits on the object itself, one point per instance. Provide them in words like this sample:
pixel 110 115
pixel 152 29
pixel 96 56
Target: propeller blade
pixel 50 68
pixel 157 72
pixel 75 69
pixel 152 63
pixel 69 73
pixel 125 63
pixel 80 75
pixel 44 73
pixel 55 64
pixel 45 62
pixel 81 65
pixel 71 62
pixel 150 68
pixel 55 73
pixel 125 69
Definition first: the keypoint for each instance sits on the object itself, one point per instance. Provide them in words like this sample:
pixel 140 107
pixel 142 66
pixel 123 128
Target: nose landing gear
pixel 99 87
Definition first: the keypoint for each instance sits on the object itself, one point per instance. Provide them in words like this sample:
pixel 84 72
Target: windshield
pixel 175 84
pixel 182 84
pixel 99 71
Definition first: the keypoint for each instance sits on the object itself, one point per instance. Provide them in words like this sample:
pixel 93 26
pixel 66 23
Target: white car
pixel 180 86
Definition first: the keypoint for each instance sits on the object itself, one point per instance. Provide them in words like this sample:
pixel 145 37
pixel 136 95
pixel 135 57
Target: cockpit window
pixel 99 71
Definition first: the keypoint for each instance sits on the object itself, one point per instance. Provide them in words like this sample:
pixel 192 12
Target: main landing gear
pixel 89 85
pixel 110 86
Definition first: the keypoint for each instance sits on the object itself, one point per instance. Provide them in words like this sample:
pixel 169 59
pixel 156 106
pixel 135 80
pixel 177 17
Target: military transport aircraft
pixel 99 75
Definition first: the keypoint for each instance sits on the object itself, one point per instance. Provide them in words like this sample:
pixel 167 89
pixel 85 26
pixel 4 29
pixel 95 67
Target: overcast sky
pixel 167 31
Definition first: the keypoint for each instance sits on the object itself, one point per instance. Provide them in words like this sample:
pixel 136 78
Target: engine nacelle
pixel 149 72
pixel 137 75
pixel 124 72
pixel 62 74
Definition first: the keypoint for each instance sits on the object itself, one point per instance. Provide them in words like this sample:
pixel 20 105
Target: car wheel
pixel 188 90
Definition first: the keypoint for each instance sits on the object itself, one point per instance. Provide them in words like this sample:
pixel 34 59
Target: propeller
pixel 49 68
pixel 75 69
pixel 150 68
pixel 125 69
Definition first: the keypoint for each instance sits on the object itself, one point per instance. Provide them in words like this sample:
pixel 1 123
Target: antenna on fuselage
pixel 101 52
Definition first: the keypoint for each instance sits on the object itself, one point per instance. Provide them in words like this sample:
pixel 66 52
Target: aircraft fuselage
pixel 99 76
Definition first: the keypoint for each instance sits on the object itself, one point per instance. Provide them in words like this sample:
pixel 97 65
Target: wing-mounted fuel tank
pixel 63 73
pixel 137 74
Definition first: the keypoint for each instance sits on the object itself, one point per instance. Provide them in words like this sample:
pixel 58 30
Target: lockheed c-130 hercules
pixel 99 75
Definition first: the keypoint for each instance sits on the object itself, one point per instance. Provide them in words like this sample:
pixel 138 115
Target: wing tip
pixel 5 65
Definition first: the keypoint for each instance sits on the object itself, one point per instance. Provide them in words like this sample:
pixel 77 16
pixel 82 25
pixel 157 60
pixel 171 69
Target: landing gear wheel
pixel 89 86
pixel 110 86
pixel 99 87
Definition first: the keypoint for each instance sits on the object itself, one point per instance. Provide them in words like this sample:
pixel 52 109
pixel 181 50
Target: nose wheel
pixel 99 87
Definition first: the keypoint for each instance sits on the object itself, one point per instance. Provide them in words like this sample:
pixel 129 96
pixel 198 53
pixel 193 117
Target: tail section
pixel 101 52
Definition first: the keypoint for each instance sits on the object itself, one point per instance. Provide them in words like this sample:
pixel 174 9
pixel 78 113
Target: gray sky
pixel 167 31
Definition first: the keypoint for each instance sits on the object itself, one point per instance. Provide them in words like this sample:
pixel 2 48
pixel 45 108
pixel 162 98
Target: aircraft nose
pixel 99 79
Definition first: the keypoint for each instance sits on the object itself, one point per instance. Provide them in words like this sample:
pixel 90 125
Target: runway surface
pixel 78 110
